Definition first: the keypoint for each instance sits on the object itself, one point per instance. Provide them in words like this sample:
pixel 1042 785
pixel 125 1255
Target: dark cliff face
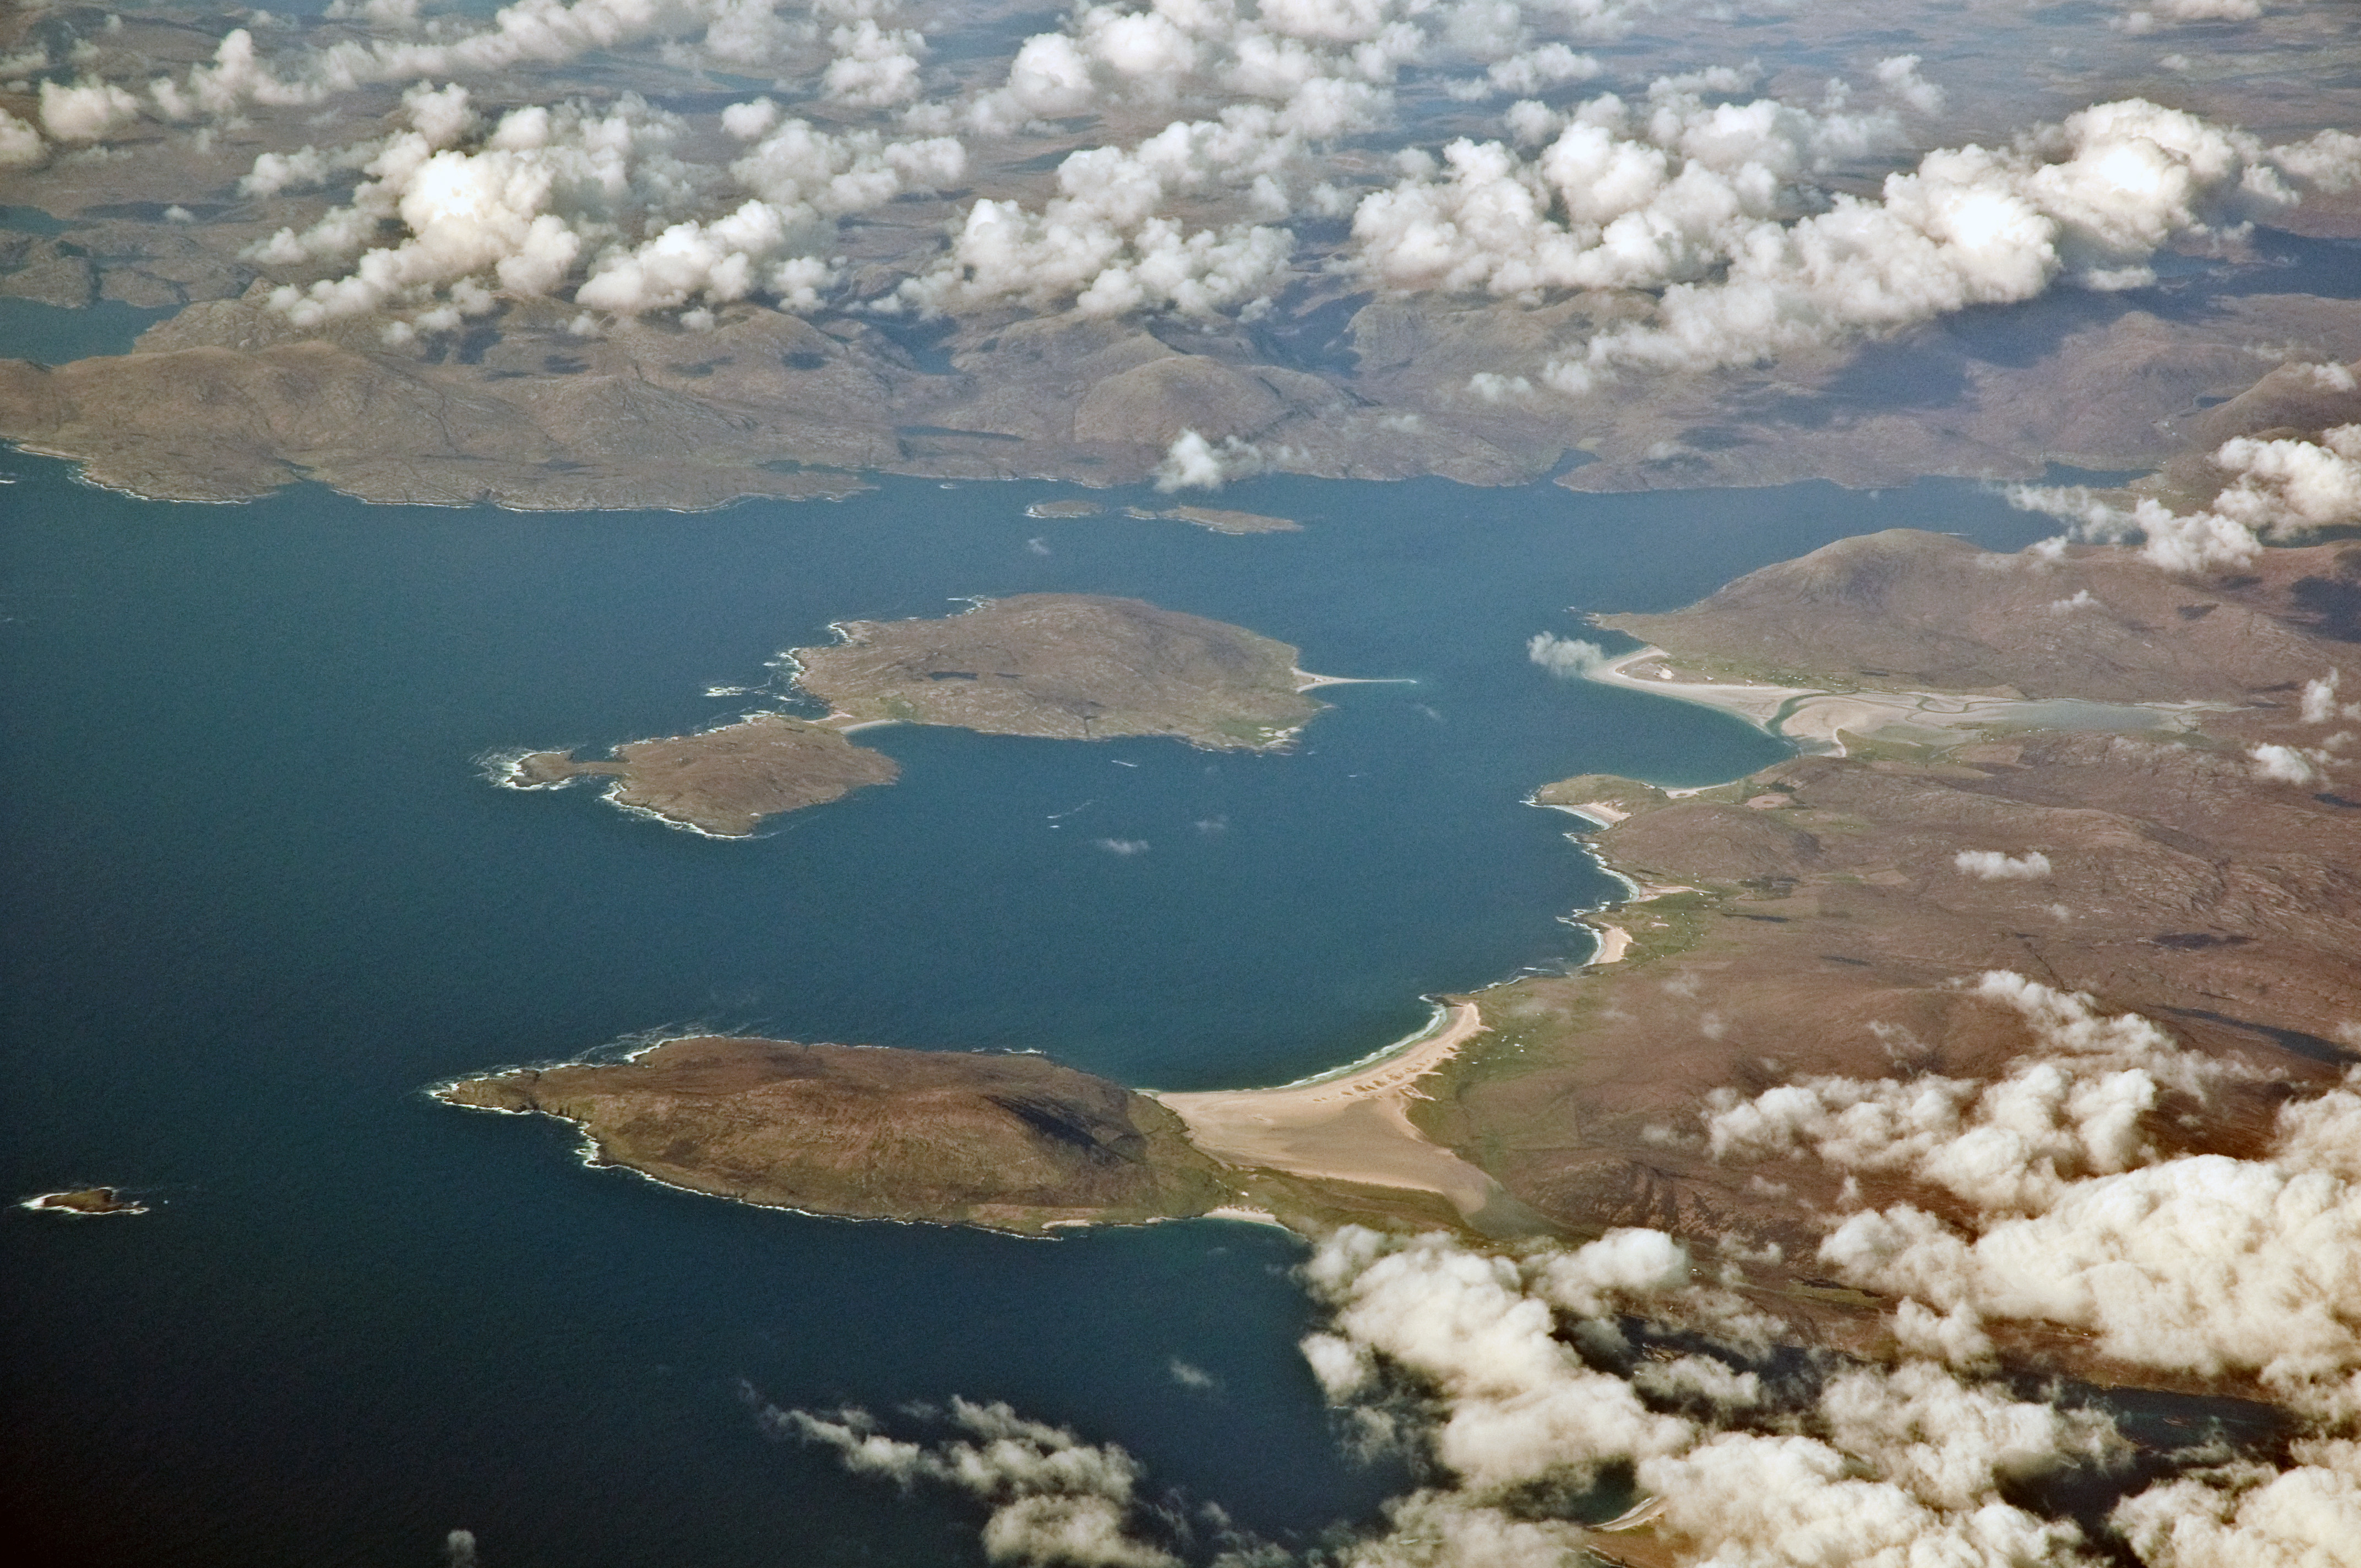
pixel 1013 1142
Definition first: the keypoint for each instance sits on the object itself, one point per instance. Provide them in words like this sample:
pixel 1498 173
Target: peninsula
pixel 1064 666
pixel 2072 768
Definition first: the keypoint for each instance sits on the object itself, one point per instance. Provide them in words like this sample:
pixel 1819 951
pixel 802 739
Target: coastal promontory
pixel 1009 1142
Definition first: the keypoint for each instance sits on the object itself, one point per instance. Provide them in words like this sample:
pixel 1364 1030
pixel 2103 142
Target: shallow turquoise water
pixel 258 894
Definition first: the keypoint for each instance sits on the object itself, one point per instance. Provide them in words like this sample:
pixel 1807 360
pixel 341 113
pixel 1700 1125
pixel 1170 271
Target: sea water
pixel 258 893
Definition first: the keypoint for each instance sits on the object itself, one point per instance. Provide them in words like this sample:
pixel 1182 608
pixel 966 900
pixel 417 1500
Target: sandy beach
pixel 1354 1127
pixel 1613 942
pixel 1306 681
pixel 1823 718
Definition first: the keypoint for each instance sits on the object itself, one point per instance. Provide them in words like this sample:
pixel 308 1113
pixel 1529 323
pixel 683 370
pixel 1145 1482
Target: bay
pixel 258 893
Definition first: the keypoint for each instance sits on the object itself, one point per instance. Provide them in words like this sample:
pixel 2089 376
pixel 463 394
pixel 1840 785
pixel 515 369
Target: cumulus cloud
pixel 2320 703
pixel 2282 491
pixel 528 32
pixel 556 190
pixel 1899 75
pixel 1900 1465
pixel 1513 1378
pixel 1193 463
pixel 1324 66
pixel 1697 201
pixel 1627 196
pixel 2288 765
pixel 2250 1516
pixel 874 66
pixel 2201 1262
pixel 1568 658
pixel 87 110
pixel 20 145
pixel 1054 1498
pixel 1993 865
pixel 2071 1109
pixel 1519 1403
pixel 2148 17
pixel 1105 241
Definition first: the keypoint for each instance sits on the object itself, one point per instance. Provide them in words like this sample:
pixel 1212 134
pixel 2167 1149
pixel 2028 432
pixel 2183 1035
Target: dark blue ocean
pixel 258 894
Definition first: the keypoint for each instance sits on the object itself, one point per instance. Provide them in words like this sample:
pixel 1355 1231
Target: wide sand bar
pixel 1354 1127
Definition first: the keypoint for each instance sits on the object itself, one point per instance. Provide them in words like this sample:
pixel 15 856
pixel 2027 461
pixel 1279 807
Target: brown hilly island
pixel 1069 666
pixel 1065 666
pixel 723 781
pixel 1014 1143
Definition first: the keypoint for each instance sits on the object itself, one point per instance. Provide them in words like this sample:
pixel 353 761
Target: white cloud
pixel 2330 159
pixel 2070 1108
pixel 1054 1498
pixel 20 145
pixel 555 189
pixel 2320 704
pixel 528 32
pixel 86 111
pixel 1908 1466
pixel 1193 463
pixel 2288 764
pixel 2144 18
pixel 1992 865
pixel 1104 241
pixel 1697 201
pixel 1899 75
pixel 1567 658
pixel 1520 1404
pixel 1627 196
pixel 2246 1516
pixel 2280 492
pixel 873 66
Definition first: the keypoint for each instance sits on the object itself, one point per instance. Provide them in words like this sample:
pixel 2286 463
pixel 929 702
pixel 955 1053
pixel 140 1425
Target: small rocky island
pixel 1012 1142
pixel 724 781
pixel 83 1200
pixel 1063 666
pixel 1067 666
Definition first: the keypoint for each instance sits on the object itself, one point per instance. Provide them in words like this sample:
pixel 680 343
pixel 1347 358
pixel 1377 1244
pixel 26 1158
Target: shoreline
pixel 1350 1124
pixel 62 1202
pixel 1814 718
pixel 1306 681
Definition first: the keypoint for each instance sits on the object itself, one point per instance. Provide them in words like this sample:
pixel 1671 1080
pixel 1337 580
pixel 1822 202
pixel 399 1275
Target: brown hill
pixel 1011 1142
